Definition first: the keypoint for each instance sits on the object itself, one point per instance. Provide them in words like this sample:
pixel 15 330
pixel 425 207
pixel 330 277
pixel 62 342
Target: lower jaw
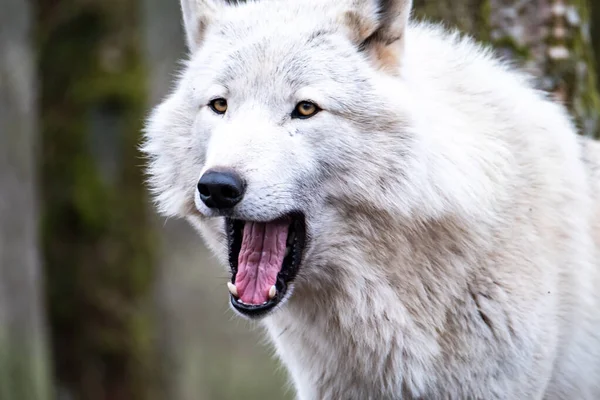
pixel 261 310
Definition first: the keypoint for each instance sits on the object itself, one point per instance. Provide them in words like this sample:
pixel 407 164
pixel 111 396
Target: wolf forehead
pixel 243 20
pixel 277 46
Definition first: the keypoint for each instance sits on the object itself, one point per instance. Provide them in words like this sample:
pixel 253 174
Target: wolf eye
pixel 218 105
pixel 305 109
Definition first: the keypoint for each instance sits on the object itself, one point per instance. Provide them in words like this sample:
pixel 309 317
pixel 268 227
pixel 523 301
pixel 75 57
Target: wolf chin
pixel 407 216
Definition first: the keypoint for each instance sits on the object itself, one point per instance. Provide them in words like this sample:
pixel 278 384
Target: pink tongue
pixel 260 259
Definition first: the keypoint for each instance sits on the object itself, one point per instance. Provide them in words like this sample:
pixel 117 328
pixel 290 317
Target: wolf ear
pixel 197 14
pixel 378 27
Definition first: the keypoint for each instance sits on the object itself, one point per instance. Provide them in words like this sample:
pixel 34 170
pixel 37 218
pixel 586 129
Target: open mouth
pixel 264 258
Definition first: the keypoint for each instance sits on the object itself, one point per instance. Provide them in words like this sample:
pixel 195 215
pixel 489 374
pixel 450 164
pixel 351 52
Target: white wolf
pixel 407 216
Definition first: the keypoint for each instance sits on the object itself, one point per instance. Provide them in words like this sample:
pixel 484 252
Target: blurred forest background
pixel 99 298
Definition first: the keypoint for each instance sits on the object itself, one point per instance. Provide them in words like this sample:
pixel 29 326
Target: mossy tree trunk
pixel 595 23
pixel 23 353
pixel 549 38
pixel 96 231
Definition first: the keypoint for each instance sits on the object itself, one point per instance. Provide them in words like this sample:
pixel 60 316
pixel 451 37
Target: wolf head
pixel 292 127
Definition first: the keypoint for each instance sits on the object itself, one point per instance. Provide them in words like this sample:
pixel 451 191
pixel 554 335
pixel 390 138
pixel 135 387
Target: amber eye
pixel 218 105
pixel 305 109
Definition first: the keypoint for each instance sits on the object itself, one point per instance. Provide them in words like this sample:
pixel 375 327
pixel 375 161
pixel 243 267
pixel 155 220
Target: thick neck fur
pixel 383 306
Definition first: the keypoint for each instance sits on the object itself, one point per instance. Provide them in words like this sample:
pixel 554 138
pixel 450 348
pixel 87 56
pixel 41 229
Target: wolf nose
pixel 221 189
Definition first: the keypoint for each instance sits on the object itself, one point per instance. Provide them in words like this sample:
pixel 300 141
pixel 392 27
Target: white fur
pixel 451 207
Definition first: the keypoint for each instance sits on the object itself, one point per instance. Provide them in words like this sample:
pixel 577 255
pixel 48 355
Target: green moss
pixel 485 10
pixel 510 46
pixel 461 14
pixel 585 101
pixel 97 236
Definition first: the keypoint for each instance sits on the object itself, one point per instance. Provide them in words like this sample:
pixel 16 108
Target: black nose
pixel 220 189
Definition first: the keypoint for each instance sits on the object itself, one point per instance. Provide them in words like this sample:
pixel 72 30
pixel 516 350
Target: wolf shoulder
pixel 466 94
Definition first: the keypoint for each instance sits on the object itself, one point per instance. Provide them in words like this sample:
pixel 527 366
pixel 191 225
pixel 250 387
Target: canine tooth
pixel 232 289
pixel 272 292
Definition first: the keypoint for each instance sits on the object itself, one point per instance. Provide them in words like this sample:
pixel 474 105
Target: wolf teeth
pixel 232 289
pixel 272 292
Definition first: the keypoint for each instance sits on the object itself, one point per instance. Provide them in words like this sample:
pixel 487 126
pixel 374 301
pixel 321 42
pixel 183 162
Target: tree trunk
pixel 96 231
pixel 595 24
pixel 549 38
pixel 23 353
